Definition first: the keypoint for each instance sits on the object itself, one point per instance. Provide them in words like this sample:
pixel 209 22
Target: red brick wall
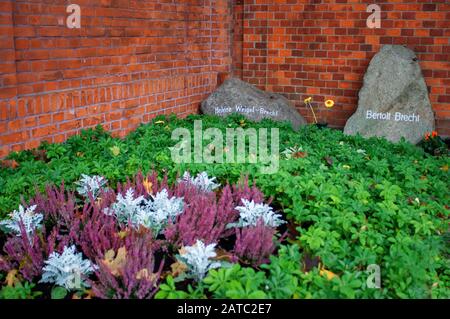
pixel 129 61
pixel 238 37
pixel 322 49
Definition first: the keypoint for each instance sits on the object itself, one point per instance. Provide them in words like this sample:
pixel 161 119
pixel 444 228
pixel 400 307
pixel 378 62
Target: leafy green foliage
pixel 19 291
pixel 58 292
pixel 169 291
pixel 353 201
pixel 236 283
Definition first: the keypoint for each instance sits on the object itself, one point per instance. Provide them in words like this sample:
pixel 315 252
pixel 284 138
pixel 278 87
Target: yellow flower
pixel 329 103
pixel 307 100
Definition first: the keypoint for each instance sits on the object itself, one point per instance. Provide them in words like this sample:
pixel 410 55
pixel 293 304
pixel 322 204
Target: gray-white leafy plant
pixel 160 210
pixel 66 269
pixel 90 184
pixel 197 258
pixel 201 181
pixel 154 213
pixel 127 208
pixel 360 151
pixel 251 213
pixel 30 219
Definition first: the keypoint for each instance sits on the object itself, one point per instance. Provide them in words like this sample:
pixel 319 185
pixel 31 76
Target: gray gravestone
pixel 393 101
pixel 236 96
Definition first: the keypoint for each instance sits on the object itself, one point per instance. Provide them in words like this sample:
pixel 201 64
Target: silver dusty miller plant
pixel 197 258
pixel 201 181
pixel 160 210
pixel 90 185
pixel 66 269
pixel 154 213
pixel 251 213
pixel 28 217
pixel 127 208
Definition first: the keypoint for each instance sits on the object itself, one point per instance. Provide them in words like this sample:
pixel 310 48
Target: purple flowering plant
pixel 123 241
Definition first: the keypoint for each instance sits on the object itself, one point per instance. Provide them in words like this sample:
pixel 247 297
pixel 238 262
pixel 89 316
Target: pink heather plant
pixel 244 191
pixel 204 218
pixel 226 211
pixel 95 231
pixel 141 184
pixel 187 191
pixel 137 279
pixel 57 205
pixel 254 244
pixel 70 219
pixel 28 254
pixel 197 221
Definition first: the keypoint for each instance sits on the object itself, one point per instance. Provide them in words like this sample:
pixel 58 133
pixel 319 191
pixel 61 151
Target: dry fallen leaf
pixel 122 234
pixel 223 255
pixel 146 275
pixel 328 274
pixel 11 278
pixel 178 268
pixel 182 251
pixel 9 164
pixel 117 263
pixel 299 155
pixel 88 294
pixel 148 186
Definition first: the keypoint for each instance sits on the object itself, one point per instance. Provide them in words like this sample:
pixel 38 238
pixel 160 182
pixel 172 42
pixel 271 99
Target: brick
pixel 43 131
pixel 125 66
pixel 13 138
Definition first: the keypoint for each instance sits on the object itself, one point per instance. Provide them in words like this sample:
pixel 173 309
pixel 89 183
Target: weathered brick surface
pixel 130 61
pixel 321 49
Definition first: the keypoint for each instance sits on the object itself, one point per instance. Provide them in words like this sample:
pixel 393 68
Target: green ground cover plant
pixel 349 202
